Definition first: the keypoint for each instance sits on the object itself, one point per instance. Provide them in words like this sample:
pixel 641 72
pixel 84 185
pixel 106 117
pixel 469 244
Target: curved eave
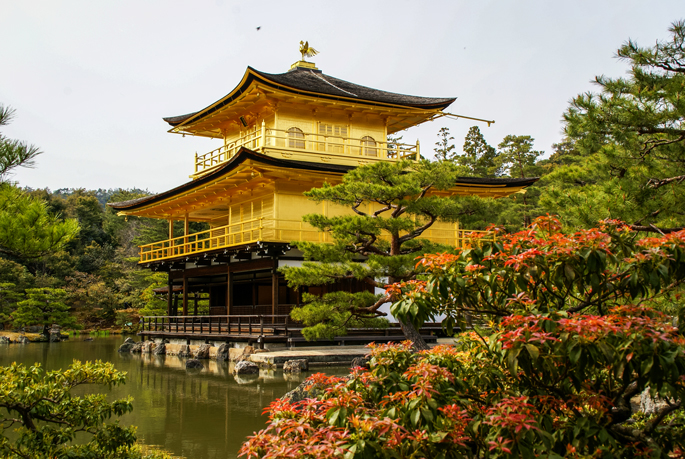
pixel 251 76
pixel 243 155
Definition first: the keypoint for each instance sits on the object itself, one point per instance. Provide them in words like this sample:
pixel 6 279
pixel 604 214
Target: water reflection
pixel 203 414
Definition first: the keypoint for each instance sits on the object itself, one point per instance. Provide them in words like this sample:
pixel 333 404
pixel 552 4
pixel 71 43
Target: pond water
pixel 205 415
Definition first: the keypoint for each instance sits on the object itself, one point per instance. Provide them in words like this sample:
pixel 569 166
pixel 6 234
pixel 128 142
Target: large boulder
pixel 160 349
pixel 362 362
pixel 246 368
pixel 137 348
pixel 55 333
pixel 148 347
pixel 202 352
pixel 295 366
pixel 4 340
pixel 238 355
pixel 223 352
pixel 184 351
pixel 129 340
pixel 306 390
pixel 23 340
pixel 194 364
pixel 126 347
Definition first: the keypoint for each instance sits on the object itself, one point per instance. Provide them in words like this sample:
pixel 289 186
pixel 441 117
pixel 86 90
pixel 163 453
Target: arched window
pixel 369 146
pixel 295 138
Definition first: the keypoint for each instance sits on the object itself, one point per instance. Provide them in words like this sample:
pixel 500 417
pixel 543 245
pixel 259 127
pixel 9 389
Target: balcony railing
pixel 298 141
pixel 277 230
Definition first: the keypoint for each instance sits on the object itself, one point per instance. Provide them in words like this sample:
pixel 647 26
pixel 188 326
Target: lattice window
pixel 369 146
pixel 332 129
pixel 295 138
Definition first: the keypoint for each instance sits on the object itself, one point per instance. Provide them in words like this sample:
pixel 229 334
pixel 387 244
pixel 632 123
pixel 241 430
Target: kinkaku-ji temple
pixel 280 135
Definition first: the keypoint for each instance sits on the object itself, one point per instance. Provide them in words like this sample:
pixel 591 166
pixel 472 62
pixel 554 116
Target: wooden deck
pixel 262 329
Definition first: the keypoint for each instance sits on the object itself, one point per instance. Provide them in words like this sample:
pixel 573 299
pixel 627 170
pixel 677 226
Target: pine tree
pixel 44 306
pixel 27 229
pixel 631 143
pixel 444 148
pixel 478 156
pixel 393 207
pixel 13 153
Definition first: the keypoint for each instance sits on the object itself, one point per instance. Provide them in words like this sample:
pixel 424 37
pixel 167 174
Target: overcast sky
pixel 91 80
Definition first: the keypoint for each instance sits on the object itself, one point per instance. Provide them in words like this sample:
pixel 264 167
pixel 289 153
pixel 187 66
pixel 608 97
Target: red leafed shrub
pixel 576 329
pixel 510 394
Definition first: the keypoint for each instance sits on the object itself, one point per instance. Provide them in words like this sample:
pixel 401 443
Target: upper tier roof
pixel 310 82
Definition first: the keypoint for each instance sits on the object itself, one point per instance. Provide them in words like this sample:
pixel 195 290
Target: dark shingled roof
pixel 245 154
pixel 314 81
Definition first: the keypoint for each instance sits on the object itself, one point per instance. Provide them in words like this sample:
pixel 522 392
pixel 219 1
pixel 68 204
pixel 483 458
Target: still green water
pixel 198 415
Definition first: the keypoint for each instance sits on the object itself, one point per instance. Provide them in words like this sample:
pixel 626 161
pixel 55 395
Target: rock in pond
pixel 362 362
pixel 194 364
pixel 202 352
pixel 222 353
pixel 148 347
pixel 295 366
pixel 127 346
pixel 23 340
pixel 137 347
pixel 129 341
pixel 160 349
pixel 4 340
pixel 184 351
pixel 246 368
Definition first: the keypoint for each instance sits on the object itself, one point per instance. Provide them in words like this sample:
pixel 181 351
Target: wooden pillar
pixel 195 304
pixel 254 292
pixel 274 294
pixel 175 304
pixel 229 291
pixel 170 283
pixel 185 295
pixel 274 290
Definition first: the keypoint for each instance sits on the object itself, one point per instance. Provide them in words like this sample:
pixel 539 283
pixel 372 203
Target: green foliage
pixel 153 305
pixel 44 306
pixel 394 206
pixel 13 153
pixel 479 157
pixel 10 295
pixel 629 143
pixel 325 313
pixel 444 148
pixel 27 230
pixel 49 422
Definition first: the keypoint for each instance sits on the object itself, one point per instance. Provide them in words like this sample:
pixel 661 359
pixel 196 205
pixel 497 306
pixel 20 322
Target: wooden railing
pixel 259 324
pixel 278 230
pixel 279 139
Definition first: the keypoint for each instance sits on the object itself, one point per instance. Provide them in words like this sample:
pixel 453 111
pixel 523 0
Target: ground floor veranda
pixel 239 296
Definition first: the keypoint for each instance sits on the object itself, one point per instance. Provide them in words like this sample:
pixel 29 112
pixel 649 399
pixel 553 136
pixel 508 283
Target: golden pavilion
pixel 280 135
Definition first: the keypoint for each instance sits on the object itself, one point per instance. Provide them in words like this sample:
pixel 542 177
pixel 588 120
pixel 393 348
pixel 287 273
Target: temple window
pixel 369 146
pixel 295 138
pixel 332 129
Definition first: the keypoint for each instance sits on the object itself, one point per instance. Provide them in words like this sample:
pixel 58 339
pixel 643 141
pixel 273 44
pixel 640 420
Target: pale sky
pixel 91 80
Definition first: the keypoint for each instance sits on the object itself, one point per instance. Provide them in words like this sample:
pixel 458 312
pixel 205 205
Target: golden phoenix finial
pixel 306 50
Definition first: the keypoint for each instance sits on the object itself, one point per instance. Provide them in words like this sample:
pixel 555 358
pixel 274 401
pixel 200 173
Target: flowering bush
pixel 548 386
pixel 542 270
pixel 571 340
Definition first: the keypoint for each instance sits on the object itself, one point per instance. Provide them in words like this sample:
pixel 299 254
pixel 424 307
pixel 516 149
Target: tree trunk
pixel 413 335
pixel 410 332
